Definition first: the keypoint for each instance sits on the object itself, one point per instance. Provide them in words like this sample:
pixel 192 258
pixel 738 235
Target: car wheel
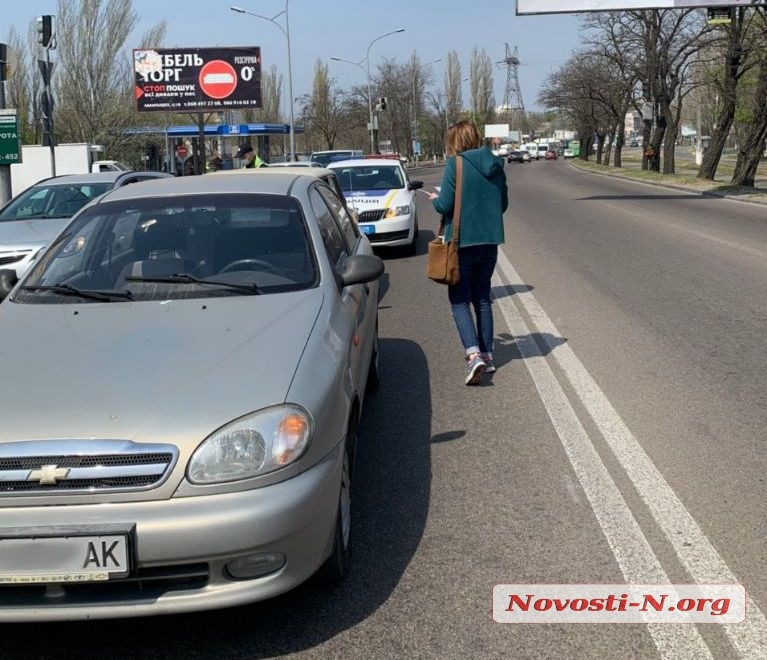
pixel 337 565
pixel 374 375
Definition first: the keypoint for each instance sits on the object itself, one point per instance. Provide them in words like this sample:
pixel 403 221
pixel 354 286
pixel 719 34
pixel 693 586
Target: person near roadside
pixel 484 198
pixel 247 154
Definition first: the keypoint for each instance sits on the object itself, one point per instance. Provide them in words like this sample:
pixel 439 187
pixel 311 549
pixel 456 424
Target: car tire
pixel 337 565
pixel 374 375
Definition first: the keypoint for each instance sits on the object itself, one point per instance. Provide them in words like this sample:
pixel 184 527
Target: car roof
pixel 227 182
pixel 90 177
pixel 316 172
pixel 356 162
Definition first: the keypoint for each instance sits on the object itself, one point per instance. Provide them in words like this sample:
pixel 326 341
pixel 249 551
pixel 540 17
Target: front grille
pixel 143 583
pixel 69 466
pixel 389 236
pixel 372 216
pixel 12 259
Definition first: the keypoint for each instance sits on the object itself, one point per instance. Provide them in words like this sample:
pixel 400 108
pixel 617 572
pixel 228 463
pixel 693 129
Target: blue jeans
pixel 477 263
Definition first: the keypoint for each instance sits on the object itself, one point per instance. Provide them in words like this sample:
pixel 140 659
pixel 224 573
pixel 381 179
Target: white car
pixel 384 198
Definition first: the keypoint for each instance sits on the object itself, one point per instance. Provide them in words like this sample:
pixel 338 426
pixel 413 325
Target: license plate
pixel 63 559
pixel 368 229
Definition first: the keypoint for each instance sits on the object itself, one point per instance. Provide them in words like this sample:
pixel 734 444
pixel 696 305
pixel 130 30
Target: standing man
pixel 249 156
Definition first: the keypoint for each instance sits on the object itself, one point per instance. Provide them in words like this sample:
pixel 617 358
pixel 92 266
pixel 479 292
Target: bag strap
pixel 456 235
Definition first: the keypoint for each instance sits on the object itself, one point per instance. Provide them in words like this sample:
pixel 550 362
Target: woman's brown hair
pixel 462 136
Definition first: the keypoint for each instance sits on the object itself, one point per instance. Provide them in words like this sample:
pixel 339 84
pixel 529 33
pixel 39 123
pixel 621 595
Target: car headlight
pixel 252 446
pixel 394 211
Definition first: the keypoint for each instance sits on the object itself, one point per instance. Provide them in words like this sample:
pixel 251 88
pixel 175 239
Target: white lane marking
pixel 628 544
pixel 696 553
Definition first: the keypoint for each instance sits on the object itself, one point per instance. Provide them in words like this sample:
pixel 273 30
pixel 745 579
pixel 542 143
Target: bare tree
pixel 481 84
pixel 751 147
pixel 452 88
pixel 23 87
pixel 324 106
pixel 740 55
pixel 90 86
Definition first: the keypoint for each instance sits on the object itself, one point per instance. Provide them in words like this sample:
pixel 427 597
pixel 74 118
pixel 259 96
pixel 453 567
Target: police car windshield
pixel 370 177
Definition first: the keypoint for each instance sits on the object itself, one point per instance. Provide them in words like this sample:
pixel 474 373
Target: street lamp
pixel 286 31
pixel 373 144
pixel 415 107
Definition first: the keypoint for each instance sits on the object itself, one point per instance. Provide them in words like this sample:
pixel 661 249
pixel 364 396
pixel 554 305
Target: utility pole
pixel 46 39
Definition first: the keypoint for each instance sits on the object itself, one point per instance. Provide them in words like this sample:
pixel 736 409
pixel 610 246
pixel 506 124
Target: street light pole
pixel 373 131
pixel 415 108
pixel 286 32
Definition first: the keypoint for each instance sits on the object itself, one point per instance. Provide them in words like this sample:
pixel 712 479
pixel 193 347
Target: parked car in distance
pixel 568 153
pixel 324 158
pixel 35 216
pixel 633 143
pixel 517 156
pixel 550 154
pixel 203 384
pixel 384 197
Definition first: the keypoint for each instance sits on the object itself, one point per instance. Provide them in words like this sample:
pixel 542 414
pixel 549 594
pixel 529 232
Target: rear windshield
pixel 52 201
pixel 259 240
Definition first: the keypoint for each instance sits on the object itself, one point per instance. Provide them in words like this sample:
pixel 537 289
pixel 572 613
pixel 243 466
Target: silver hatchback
pixel 189 361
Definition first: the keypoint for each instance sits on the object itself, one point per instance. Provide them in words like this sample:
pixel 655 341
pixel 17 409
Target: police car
pixel 384 197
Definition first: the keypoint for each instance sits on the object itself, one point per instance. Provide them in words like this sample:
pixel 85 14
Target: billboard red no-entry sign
pixel 197 79
pixel 182 152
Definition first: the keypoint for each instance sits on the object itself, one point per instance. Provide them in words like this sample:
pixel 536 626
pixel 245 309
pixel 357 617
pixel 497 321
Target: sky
pixel 345 28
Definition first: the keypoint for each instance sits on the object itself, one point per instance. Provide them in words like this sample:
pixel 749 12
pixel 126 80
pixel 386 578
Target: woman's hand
pixel 433 196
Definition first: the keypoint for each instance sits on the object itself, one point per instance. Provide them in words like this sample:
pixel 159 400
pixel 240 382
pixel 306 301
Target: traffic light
pixel 44 30
pixel 382 103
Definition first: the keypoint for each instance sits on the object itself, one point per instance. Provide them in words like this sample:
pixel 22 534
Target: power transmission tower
pixel 513 105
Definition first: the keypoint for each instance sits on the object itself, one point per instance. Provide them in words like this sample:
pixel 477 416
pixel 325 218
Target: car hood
pixel 370 200
pixel 170 371
pixel 30 232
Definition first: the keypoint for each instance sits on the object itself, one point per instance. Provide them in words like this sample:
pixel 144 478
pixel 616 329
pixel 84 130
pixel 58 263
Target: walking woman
pixel 484 198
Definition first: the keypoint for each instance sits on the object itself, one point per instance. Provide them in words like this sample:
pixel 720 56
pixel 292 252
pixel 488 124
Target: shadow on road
pixel 509 290
pixel 506 350
pixel 392 487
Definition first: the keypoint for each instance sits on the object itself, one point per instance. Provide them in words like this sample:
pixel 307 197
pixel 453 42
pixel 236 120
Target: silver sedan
pixel 189 361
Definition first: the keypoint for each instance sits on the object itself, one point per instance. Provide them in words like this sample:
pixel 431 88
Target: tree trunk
pixel 609 149
pixel 600 147
pixel 653 150
pixel 669 145
pixel 726 117
pixel 646 133
pixel 751 150
pixel 619 133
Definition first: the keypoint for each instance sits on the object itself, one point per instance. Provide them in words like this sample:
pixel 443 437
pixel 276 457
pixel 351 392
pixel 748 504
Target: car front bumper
pixel 183 545
pixel 391 232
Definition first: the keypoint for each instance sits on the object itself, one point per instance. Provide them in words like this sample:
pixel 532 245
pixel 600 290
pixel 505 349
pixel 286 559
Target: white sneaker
pixel 474 370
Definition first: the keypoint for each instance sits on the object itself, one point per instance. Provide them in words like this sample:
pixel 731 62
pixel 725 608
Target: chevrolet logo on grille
pixel 48 475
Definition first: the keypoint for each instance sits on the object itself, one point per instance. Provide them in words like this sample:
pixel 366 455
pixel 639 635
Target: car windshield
pixel 161 249
pixel 52 201
pixel 370 177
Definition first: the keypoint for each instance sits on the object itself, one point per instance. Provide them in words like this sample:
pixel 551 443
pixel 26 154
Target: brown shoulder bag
pixel 442 261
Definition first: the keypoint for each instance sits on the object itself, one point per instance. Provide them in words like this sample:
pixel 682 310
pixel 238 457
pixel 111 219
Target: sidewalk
pixel 685 178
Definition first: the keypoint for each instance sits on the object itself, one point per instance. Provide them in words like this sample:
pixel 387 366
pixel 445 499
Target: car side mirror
pixel 361 268
pixel 415 185
pixel 8 279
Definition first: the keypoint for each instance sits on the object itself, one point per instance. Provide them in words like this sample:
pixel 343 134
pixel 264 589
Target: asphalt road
pixel 621 440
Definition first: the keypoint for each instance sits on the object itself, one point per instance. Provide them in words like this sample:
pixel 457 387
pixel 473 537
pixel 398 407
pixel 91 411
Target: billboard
pixel 572 6
pixel 197 79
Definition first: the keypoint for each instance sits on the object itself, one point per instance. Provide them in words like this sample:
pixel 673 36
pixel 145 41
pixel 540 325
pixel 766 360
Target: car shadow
pixel 508 290
pixel 391 490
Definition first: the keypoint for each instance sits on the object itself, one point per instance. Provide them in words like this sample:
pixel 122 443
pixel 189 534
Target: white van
pixel 532 149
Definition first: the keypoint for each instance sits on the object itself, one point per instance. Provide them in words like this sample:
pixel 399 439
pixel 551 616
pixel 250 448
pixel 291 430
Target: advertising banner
pixel 197 79
pixel 573 6
pixel 10 138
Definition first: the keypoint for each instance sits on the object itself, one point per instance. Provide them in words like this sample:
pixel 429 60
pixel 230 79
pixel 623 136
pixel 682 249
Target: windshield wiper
pixel 69 290
pixel 186 278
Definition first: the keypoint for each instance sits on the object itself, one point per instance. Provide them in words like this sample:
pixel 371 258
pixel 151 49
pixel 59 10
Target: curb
pixel 674 186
